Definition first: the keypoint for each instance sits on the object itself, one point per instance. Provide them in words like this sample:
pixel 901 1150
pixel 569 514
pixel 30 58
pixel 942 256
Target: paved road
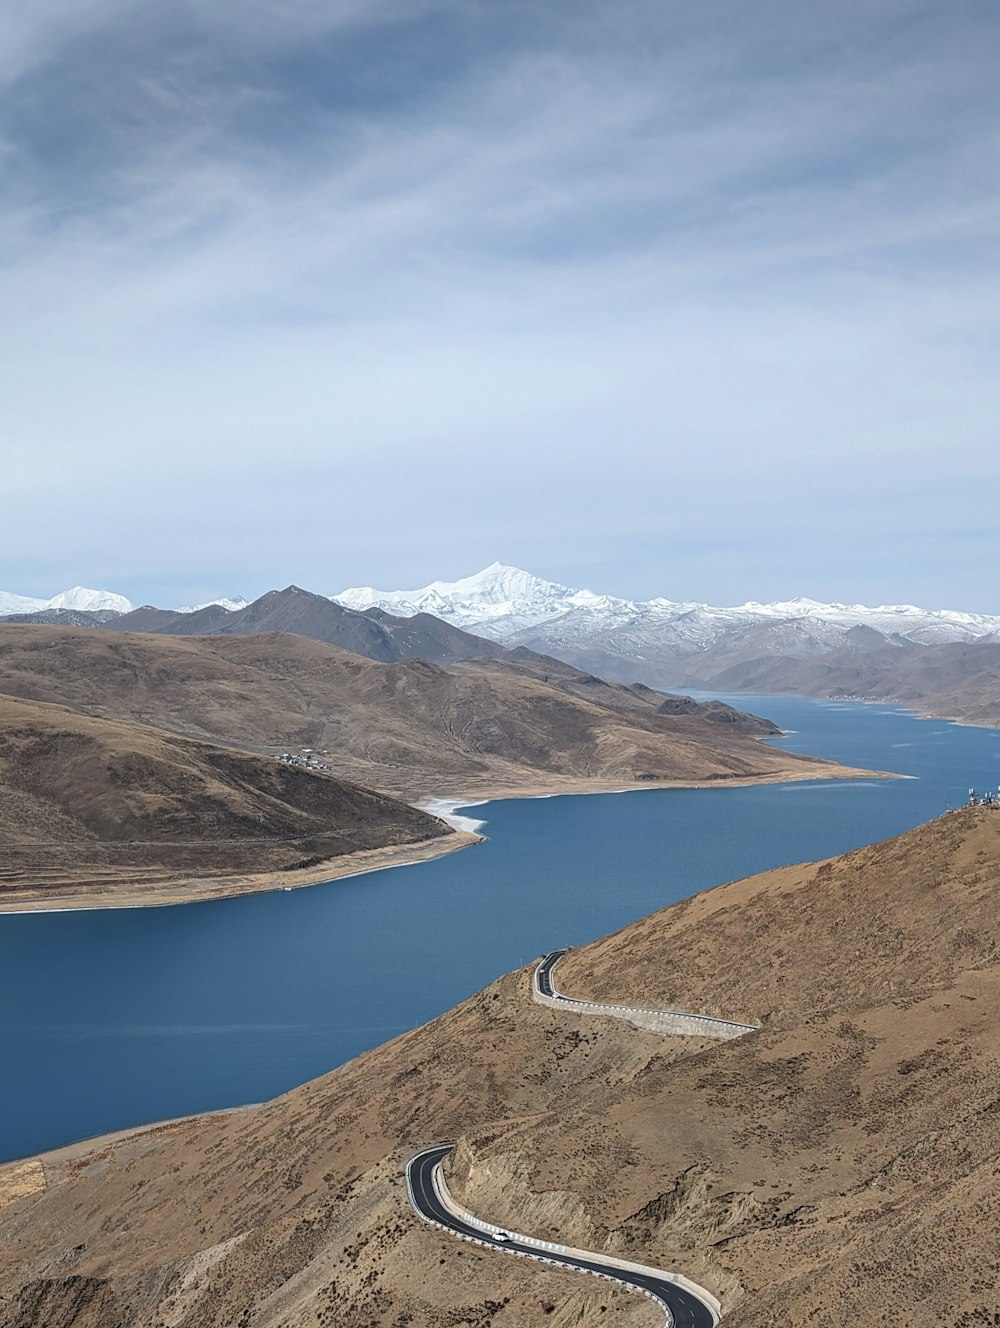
pixel 543 975
pixel 686 1309
pixel 545 984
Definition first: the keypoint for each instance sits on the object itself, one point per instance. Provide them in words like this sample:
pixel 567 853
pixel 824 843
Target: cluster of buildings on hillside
pixel 307 761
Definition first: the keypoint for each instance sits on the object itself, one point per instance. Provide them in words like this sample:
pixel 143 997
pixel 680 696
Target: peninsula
pixel 139 768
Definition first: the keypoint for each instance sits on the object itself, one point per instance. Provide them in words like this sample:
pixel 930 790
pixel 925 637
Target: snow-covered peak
pixel 90 601
pixel 11 603
pixel 517 607
pixel 232 604
pixel 499 584
pixel 506 597
pixel 79 599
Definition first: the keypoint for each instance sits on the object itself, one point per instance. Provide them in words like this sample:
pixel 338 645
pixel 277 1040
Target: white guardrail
pixel 673 1022
pixel 547 1246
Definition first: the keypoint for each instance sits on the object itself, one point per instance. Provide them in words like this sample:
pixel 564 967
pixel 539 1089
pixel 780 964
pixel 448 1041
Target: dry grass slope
pixel 838 1166
pixel 83 797
pixel 410 728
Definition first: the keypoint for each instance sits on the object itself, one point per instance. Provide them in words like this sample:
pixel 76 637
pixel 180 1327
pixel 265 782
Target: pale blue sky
pixel 692 300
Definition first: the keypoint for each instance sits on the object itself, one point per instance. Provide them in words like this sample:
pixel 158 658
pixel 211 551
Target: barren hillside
pixel 87 800
pixel 838 1166
pixel 410 728
pixel 954 680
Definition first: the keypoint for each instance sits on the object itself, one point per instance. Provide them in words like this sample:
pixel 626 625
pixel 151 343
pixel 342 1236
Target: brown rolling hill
pixel 413 728
pixel 634 696
pixel 839 1165
pixel 89 801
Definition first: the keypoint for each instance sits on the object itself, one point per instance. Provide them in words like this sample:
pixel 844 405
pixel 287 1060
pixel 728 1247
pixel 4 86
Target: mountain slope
pixel 663 642
pixel 837 1166
pixel 954 680
pixel 87 799
pixel 374 634
pixel 635 697
pixel 412 727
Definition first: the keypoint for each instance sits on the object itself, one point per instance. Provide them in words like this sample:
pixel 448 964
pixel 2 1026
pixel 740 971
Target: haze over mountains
pixel 502 602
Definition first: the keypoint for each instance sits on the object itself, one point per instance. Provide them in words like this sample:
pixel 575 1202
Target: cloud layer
pixel 690 300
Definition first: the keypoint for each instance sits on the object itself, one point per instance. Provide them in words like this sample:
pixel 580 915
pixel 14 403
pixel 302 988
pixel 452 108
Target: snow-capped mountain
pixel 499 596
pixel 82 600
pixel 663 640
pixel 91 601
pixel 507 600
pixel 232 604
pixel 79 599
pixel 11 603
pixel 659 641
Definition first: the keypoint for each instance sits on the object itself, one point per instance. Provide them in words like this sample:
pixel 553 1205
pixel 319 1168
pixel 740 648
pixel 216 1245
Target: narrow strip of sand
pixel 200 890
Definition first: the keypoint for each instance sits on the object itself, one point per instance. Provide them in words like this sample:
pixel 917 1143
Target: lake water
pixel 118 1017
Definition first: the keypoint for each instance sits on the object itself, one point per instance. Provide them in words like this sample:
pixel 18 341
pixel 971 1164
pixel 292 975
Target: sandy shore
pixel 552 786
pixel 131 894
pixel 181 891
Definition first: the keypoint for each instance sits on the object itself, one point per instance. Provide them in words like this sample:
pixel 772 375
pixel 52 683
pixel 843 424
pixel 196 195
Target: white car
pixel 501 1235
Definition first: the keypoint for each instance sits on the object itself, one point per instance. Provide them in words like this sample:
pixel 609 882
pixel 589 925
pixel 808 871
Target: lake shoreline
pixel 204 890
pixel 233 1006
pixel 465 833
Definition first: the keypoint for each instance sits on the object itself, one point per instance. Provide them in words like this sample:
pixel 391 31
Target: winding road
pixel 427 1193
pixel 678 1022
pixel 684 1304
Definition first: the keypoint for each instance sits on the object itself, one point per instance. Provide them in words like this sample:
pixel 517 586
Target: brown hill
pixel 957 680
pixel 623 696
pixel 92 801
pixel 374 634
pixel 413 728
pixel 838 1166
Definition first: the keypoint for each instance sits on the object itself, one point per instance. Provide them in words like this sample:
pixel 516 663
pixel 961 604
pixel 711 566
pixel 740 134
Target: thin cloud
pixel 554 283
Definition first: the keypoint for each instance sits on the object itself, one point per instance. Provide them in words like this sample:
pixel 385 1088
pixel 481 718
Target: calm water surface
pixel 118 1017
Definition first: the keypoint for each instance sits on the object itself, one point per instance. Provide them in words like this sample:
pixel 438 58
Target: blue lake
pixel 119 1017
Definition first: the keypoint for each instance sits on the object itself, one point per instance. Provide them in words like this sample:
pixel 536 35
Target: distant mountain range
pixel 797 645
pixel 800 645
pixel 939 661
pixel 509 605
pixel 371 633
pixel 514 606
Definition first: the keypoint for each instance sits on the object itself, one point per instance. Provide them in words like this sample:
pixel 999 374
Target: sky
pixel 700 301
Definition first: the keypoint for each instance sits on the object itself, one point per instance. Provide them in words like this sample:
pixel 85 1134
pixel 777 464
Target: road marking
pixel 570 1259
pixel 544 987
